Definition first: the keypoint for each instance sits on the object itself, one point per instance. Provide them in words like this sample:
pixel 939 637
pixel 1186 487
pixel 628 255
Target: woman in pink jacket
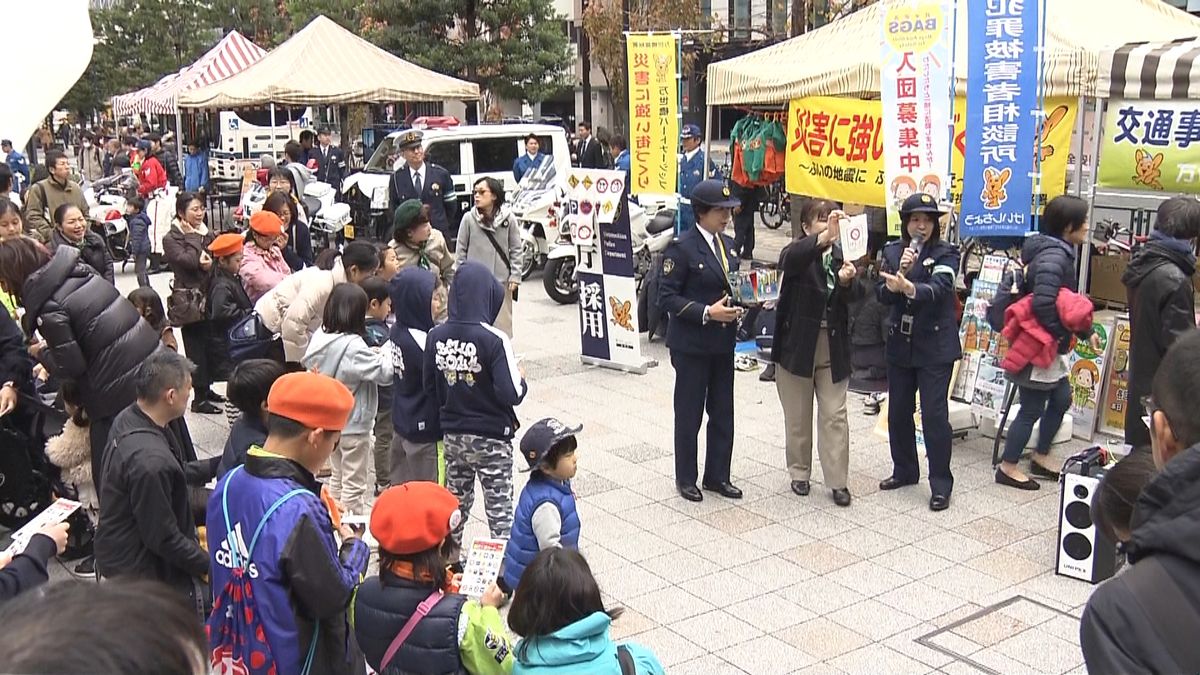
pixel 263 265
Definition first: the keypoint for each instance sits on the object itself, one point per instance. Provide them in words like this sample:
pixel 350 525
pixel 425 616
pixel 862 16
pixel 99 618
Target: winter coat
pixel 43 199
pixel 227 304
pixel 139 233
pixel 438 259
pixel 94 336
pixel 16 365
pixel 92 250
pixel 261 270
pixel 195 171
pixel 1030 343
pixel 869 323
pixel 523 544
pixel 247 431
pixel 582 648
pixel 470 367
pixel 805 303
pixel 182 250
pixel 305 580
pixel 151 176
pixel 473 244
pixel 295 306
pixel 1049 268
pixel 933 338
pixel 91 163
pixel 166 159
pixel 347 359
pixel 302 176
pixel 29 569
pixel 147 529
pixel 1116 632
pixel 1161 308
pixel 71 451
pixel 414 410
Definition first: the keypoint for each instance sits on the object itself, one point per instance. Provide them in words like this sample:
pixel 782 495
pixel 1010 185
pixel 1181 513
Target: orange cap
pixel 314 400
pixel 266 223
pixel 226 244
pixel 414 517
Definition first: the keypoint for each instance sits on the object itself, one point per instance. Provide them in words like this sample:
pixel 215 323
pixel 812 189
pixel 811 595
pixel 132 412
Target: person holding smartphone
pixel 695 291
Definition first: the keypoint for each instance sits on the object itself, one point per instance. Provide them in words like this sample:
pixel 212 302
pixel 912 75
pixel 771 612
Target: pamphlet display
pixel 980 381
pixel 751 287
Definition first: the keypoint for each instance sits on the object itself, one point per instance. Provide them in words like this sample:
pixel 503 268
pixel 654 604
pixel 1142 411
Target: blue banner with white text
pixel 1002 117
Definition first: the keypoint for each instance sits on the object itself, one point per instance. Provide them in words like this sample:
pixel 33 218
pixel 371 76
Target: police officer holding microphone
pixel 695 291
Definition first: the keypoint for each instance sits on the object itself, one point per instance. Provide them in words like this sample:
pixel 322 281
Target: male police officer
pixel 691 172
pixel 429 183
pixel 695 291
pixel 331 161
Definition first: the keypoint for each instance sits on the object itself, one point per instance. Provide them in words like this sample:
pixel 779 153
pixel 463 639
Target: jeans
pixel 1048 405
pixel 141 262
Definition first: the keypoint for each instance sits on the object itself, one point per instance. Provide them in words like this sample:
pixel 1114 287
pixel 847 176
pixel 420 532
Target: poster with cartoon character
pixel 1151 146
pixel 1086 370
pixel 1116 390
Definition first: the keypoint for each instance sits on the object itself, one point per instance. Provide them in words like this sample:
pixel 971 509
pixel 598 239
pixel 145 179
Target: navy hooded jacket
pixel 414 410
pixel 469 365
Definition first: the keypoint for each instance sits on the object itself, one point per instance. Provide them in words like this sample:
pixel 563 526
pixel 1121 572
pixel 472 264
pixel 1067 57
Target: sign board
pixel 653 69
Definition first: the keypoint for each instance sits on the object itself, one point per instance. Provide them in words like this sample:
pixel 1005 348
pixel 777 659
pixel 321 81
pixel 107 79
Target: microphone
pixel 915 246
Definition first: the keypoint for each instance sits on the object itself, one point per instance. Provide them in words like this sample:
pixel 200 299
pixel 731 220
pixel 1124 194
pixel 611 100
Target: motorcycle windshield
pixel 538 183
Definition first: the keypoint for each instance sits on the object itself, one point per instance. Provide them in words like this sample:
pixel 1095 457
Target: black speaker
pixel 1083 552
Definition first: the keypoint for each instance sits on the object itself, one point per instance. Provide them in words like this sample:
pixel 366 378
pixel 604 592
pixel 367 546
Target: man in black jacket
pixel 1161 301
pixel 1147 619
pixel 146 527
pixel 167 158
pixel 588 152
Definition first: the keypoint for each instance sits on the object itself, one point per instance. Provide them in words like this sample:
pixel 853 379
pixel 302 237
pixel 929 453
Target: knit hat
pixel 314 400
pixel 414 517
pixel 404 215
pixel 226 244
pixel 266 223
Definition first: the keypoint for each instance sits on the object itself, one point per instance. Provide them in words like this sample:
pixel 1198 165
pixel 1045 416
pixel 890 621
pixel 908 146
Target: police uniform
pixel 691 172
pixel 437 189
pixel 922 346
pixel 694 277
pixel 331 163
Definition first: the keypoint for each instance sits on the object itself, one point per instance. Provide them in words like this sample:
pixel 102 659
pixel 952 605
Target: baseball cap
pixel 542 436
pixel 714 192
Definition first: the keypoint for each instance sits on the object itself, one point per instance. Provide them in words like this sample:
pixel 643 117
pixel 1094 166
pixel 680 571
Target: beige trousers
pixel 796 394
pixel 351 482
pixel 504 320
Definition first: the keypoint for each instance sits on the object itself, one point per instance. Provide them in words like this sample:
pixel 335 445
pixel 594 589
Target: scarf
pixel 1180 246
pixel 404 570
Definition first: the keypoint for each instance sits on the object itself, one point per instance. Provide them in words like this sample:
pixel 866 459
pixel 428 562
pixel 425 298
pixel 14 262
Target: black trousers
pixel 934 384
pixel 196 347
pixel 98 428
pixel 743 221
pixel 703 382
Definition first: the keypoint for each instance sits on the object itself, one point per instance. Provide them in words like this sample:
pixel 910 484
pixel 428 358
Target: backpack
pixel 1011 289
pixel 235 627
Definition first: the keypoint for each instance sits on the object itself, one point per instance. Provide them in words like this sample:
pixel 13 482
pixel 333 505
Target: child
pixel 228 303
pixel 471 369
pixel 139 237
pixel 11 227
pixel 339 350
pixel 249 385
pixel 379 308
pixel 546 516
pixel 415 416
pixel 565 626
pixel 412 523
pixel 389 264
pixel 150 306
pixel 1122 484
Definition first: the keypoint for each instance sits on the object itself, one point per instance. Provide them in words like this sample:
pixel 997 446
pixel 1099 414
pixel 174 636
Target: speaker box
pixel 1083 552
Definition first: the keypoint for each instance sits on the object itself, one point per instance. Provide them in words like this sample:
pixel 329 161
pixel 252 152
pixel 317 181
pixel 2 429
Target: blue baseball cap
pixel 542 436
pixel 714 192
pixel 690 131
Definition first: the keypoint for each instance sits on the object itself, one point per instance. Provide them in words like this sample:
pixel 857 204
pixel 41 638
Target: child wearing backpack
pixel 565 626
pixel 410 618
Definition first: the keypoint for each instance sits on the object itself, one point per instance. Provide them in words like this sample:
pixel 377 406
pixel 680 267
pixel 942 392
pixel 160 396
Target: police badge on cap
pixel 409 139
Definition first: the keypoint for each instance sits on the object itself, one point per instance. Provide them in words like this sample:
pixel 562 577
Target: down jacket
pixel 93 335
pixel 261 270
pixel 1051 267
pixel 1029 341
pixel 294 307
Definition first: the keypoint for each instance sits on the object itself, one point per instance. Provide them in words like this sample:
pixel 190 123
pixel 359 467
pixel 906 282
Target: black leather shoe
pixel 725 489
pixel 1007 480
pixel 1041 471
pixel 801 487
pixel 690 493
pixel 205 407
pixel 841 497
pixel 214 397
pixel 939 502
pixel 891 483
pixel 768 373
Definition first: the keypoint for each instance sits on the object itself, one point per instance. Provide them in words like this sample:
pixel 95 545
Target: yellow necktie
pixel 720 253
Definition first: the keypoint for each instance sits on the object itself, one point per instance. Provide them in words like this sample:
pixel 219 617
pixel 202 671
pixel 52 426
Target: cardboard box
pixel 1105 279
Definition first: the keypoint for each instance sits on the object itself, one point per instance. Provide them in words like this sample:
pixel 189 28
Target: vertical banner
pixel 653 70
pixel 1116 392
pixel 914 87
pixel 598 216
pixel 1003 114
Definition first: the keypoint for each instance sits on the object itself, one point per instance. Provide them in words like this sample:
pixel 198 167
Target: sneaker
pixel 86 567
pixel 205 408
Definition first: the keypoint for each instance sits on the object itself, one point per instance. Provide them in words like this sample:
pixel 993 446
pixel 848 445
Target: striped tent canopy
pixel 842 58
pixel 325 64
pixel 1152 70
pixel 233 54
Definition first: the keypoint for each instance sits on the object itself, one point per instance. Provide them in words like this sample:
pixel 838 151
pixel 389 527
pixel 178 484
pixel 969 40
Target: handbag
pixel 185 306
pixel 424 608
pixel 249 338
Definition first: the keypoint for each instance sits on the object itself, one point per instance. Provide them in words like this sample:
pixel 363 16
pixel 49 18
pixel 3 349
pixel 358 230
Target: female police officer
pixel 695 291
pixel 922 346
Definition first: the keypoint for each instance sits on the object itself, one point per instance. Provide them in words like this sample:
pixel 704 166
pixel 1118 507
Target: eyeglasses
pixel 1150 407
pixel 483 191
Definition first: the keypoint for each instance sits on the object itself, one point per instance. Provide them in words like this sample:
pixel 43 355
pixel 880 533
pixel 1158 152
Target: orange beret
pixel 414 517
pixel 226 244
pixel 266 223
pixel 314 400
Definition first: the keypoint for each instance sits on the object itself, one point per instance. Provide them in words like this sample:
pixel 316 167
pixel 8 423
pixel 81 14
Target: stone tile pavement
pixel 775 583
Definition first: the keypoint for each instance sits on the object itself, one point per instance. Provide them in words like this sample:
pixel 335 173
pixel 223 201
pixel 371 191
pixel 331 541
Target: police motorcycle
pixel 326 217
pixel 536 207
pixel 106 211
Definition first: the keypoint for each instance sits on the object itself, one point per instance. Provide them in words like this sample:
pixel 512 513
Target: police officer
pixel 695 291
pixel 917 281
pixel 331 161
pixel 691 172
pixel 429 183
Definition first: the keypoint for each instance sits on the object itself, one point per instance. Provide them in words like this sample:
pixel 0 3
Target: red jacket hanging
pixel 1029 342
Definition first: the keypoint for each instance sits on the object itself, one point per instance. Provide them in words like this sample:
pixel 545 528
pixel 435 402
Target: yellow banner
pixel 1152 146
pixel 835 150
pixel 653 114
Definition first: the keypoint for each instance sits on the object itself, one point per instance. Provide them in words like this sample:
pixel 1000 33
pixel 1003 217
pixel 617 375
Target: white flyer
pixel 854 237
pixel 54 514
pixel 483 566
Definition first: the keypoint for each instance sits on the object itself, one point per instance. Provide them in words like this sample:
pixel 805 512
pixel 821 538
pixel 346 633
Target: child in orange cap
pixel 263 266
pixel 409 614
pixel 227 304
pixel 294 581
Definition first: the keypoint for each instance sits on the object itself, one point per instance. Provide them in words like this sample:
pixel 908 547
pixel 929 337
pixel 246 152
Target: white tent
pixel 233 54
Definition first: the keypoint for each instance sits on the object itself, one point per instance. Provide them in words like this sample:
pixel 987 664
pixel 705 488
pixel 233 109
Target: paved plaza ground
pixel 775 583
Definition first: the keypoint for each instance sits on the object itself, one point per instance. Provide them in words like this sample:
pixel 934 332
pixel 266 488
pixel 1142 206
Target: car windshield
pixel 384 158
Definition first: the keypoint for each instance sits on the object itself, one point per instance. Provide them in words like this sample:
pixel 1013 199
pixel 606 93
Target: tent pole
pixel 178 137
pixel 708 117
pixel 1097 131
pixel 274 150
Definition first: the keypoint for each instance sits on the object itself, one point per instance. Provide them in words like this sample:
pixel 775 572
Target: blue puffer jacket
pixel 522 544
pixel 383 604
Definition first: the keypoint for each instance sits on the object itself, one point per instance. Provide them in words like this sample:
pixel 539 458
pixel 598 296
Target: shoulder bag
pixel 424 608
